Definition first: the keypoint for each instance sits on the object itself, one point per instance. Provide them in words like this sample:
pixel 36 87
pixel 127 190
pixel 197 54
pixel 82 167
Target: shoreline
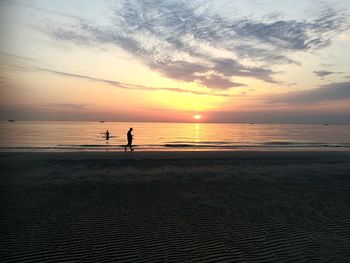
pixel 189 155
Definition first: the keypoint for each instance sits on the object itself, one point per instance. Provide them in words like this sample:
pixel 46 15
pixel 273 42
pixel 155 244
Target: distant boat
pixel 102 121
pixel 11 120
pixel 326 124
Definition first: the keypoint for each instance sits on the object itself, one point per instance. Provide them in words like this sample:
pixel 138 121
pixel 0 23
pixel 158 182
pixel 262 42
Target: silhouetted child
pixel 107 135
pixel 130 138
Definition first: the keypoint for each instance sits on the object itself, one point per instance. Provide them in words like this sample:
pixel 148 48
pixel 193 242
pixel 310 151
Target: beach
pixel 244 206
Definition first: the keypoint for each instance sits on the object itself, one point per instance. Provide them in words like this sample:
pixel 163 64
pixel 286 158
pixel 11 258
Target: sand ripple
pixel 255 212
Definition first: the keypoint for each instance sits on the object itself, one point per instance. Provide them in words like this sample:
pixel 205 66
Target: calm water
pixel 88 136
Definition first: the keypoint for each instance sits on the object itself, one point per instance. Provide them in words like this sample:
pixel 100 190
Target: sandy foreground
pixel 175 207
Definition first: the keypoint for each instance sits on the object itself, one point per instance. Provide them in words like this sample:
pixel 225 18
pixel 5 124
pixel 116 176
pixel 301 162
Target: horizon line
pixel 188 122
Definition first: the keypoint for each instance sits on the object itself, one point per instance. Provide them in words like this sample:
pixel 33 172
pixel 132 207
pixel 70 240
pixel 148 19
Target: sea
pixel 61 136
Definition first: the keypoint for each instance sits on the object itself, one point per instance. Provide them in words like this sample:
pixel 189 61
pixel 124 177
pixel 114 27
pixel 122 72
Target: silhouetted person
pixel 107 135
pixel 129 137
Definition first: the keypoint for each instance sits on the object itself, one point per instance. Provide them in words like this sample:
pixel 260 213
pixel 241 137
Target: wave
pixel 306 143
pixel 201 142
pixel 256 145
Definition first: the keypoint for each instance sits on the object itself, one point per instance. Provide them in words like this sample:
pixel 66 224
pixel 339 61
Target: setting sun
pixel 197 117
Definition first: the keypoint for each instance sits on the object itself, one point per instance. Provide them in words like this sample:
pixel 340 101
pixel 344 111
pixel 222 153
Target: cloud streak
pixel 324 73
pixel 25 67
pixel 330 92
pixel 4 56
pixel 129 86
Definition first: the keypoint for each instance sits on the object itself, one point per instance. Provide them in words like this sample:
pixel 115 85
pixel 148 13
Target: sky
pixel 261 61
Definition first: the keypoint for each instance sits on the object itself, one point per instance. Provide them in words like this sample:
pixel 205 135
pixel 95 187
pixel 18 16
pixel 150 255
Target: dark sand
pixel 175 207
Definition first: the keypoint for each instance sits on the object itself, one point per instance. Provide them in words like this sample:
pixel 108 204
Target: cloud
pixel 324 73
pixel 218 82
pixel 230 67
pixel 182 40
pixel 129 86
pixel 25 67
pixel 186 41
pixel 292 34
pixel 4 56
pixel 185 71
pixel 329 92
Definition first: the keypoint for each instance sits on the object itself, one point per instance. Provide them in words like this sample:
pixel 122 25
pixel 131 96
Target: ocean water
pixel 88 136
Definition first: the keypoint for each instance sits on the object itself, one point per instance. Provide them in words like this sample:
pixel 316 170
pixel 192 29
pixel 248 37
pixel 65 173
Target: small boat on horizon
pixel 326 124
pixel 102 121
pixel 11 120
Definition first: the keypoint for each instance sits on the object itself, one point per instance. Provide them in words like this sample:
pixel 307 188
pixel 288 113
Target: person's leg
pixel 129 145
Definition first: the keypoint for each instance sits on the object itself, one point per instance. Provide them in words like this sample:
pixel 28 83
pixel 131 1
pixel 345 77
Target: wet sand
pixel 175 207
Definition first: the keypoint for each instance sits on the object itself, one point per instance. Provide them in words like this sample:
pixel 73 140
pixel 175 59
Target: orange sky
pixel 171 62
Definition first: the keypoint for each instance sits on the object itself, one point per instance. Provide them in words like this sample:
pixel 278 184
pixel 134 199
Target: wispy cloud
pixel 329 92
pixel 128 86
pixel 15 64
pixel 7 56
pixel 324 73
pixel 182 40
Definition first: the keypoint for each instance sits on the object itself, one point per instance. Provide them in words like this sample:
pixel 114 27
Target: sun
pixel 197 117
